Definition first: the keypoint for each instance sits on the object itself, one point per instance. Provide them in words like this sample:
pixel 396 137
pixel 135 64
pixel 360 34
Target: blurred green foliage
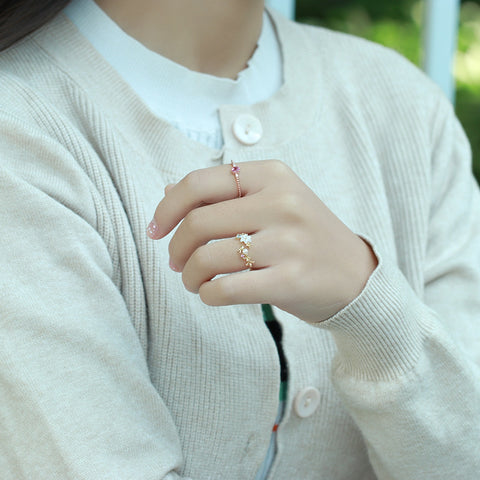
pixel 398 25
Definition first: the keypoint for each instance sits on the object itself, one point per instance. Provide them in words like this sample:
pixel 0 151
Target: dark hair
pixel 18 18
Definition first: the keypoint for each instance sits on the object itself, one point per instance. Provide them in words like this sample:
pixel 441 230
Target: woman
pixel 336 183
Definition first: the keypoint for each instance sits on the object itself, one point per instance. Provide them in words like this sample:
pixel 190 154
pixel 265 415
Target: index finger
pixel 200 187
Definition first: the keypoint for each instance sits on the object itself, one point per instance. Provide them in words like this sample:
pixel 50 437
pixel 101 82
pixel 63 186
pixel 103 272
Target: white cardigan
pixel 111 370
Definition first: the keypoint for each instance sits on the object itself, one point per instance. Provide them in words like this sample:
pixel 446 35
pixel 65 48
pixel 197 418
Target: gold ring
pixel 236 174
pixel 246 241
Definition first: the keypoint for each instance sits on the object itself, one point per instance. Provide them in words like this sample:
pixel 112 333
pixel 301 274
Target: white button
pixel 306 402
pixel 247 129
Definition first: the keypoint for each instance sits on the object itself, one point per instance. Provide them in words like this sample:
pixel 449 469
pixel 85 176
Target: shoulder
pixel 29 81
pixel 39 144
pixel 377 86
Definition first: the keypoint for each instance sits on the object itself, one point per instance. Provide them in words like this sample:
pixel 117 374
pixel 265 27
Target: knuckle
pixel 207 293
pixel 289 205
pixel 192 221
pixel 293 242
pixel 201 259
pixel 188 282
pixel 278 168
pixel 174 247
pixel 224 290
pixel 198 268
pixel 192 181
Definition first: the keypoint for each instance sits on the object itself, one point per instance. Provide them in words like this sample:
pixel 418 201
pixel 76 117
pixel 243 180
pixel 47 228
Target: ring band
pixel 246 241
pixel 236 174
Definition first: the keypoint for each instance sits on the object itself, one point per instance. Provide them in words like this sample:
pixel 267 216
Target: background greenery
pixel 397 24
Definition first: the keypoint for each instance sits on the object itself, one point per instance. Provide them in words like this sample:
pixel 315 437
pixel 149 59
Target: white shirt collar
pixel 186 98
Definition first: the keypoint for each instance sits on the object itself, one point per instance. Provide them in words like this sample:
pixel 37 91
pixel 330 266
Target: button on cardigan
pixel 111 370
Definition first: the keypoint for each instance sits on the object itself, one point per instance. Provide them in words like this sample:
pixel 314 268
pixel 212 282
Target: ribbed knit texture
pixel 111 370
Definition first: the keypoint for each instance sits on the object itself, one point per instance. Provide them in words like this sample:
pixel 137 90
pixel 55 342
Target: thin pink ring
pixel 236 174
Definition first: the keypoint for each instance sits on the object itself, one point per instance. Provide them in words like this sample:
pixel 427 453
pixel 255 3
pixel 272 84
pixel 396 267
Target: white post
pixel 440 42
pixel 286 7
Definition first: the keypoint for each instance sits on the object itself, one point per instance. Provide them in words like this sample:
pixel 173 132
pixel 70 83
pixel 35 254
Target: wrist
pixel 363 265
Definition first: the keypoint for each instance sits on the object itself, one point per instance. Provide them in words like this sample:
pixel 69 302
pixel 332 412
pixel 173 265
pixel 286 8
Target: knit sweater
pixel 111 370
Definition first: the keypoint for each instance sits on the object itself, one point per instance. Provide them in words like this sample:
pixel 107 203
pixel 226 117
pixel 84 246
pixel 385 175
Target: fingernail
pixel 173 267
pixel 152 230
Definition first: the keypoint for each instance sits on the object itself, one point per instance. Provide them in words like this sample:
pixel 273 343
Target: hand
pixel 307 262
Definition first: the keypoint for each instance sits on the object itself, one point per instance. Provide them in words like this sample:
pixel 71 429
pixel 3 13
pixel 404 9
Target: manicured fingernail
pixel 173 267
pixel 152 230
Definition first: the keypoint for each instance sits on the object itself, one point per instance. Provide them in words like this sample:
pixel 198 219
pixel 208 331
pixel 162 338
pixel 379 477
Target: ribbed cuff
pixel 380 334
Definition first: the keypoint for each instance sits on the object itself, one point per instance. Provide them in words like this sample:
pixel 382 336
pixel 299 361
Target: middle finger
pixel 222 257
pixel 217 221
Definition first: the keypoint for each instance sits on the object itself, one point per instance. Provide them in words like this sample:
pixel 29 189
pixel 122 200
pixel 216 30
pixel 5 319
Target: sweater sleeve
pixel 76 401
pixel 407 367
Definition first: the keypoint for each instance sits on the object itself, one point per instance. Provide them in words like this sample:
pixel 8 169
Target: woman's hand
pixel 307 262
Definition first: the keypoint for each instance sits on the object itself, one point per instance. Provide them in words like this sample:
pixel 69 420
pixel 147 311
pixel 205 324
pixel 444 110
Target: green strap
pixel 268 316
pixel 282 395
pixel 267 312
